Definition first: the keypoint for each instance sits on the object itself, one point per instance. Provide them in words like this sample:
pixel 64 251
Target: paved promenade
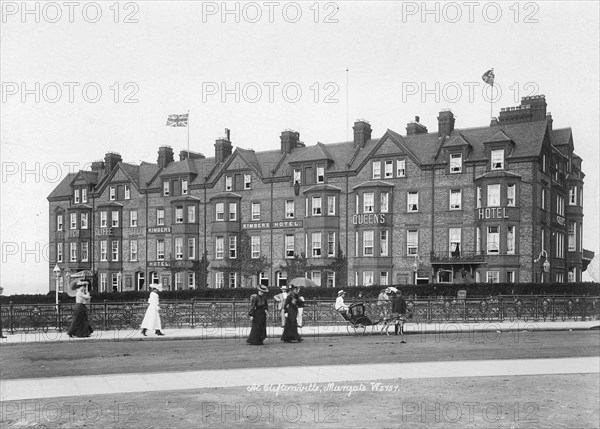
pixel 308 331
pixel 55 387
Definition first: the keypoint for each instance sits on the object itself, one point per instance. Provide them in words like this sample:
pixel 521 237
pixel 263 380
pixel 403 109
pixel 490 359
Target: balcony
pixel 460 255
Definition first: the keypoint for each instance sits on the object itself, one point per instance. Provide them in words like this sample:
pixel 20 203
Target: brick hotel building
pixel 496 203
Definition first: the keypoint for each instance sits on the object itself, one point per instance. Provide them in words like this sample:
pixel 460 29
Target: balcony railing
pixel 457 255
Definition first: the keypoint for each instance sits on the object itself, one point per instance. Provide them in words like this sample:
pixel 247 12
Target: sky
pixel 79 81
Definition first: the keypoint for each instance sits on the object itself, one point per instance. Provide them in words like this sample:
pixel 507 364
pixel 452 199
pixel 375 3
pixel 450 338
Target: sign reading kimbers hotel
pixel 278 224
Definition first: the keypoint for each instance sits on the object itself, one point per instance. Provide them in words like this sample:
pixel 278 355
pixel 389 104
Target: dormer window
pixel 228 183
pixel 320 174
pixel 456 163
pixel 247 181
pixel 498 159
pixel 112 193
pixel 166 188
pixel 184 187
pixel 297 175
pixel 376 169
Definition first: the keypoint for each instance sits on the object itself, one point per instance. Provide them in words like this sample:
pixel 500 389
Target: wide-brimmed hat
pixel 284 287
pixel 341 292
pixel 156 286
pixel 263 288
pixel 77 284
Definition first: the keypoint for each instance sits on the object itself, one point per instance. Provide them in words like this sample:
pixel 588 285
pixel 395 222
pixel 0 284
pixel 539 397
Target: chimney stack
pixel 223 147
pixel 111 159
pixel 415 127
pixel 97 166
pixel 185 154
pixel 289 140
pixel 362 132
pixel 165 156
pixel 445 122
pixel 538 106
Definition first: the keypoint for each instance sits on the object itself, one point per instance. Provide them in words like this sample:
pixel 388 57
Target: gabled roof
pixel 310 153
pixel 500 136
pixel 457 140
pixel 90 177
pixel 561 136
pixel 63 189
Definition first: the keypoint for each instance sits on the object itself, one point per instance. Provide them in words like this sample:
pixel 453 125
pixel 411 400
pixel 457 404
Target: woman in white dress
pixel 152 318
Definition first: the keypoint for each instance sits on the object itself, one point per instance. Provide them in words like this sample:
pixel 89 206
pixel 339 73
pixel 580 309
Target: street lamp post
pixel 56 272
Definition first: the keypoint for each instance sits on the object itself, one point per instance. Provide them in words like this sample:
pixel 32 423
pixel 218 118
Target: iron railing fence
pixel 317 312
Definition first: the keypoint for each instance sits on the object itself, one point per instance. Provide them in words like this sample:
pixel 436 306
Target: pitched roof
pixel 63 189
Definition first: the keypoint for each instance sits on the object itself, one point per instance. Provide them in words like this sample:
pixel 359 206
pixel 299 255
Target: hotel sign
pixel 159 230
pixel 368 218
pixel 278 224
pixel 493 213
pixel 162 264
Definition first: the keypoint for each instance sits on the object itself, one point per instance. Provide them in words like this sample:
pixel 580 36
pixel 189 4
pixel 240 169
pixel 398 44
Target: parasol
pixel 302 282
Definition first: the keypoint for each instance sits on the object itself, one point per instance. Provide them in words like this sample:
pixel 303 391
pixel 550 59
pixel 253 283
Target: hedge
pixel 368 292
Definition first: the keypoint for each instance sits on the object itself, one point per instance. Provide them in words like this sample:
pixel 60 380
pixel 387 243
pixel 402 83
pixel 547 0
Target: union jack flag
pixel 488 77
pixel 177 120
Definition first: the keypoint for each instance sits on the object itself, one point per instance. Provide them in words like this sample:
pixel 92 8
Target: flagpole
pixel 492 99
pixel 188 127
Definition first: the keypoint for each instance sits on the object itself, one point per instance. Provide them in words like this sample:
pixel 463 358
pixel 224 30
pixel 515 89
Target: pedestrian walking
pixel 292 303
pixel 80 325
pixel 152 317
pixel 399 310
pixel 300 309
pixel 280 299
pixel 383 301
pixel 258 315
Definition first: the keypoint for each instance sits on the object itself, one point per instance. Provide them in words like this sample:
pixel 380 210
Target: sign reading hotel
pixel 493 213
pixel 368 218
pixel 278 224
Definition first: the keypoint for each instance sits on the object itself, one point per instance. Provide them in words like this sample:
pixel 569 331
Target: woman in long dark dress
pixel 80 325
pixel 258 316
pixel 292 303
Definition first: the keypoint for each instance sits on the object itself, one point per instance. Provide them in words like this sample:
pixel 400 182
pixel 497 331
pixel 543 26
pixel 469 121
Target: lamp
pixel 56 272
